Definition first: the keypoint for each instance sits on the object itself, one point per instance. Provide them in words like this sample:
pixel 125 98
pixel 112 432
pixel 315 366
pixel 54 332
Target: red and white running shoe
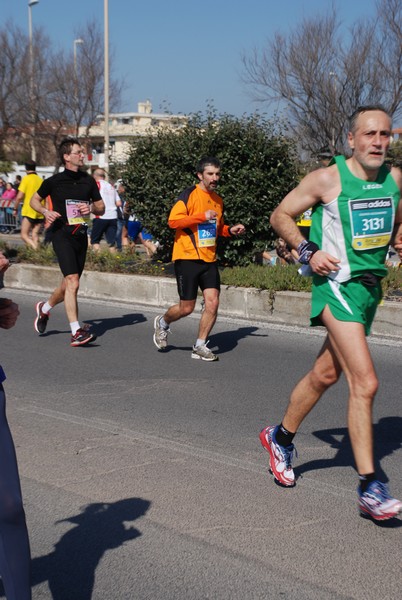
pixel 280 457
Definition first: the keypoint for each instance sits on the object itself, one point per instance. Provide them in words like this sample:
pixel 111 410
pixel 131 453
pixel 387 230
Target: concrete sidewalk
pixel 283 308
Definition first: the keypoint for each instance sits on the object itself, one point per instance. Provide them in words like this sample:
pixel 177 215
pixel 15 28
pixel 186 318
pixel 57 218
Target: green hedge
pixel 259 167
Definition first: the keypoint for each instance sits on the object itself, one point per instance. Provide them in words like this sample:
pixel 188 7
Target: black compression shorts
pixel 192 274
pixel 70 244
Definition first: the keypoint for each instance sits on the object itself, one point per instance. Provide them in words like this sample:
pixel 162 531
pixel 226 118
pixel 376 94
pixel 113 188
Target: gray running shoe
pixel 204 353
pixel 160 334
pixel 41 319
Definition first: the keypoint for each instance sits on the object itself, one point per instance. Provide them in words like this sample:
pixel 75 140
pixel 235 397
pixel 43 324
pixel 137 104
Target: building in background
pixel 123 129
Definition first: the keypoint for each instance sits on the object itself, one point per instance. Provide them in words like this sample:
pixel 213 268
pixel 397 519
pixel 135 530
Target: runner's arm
pixel 19 198
pixel 97 208
pixel 311 190
pixel 36 203
pixel 179 218
pixel 304 196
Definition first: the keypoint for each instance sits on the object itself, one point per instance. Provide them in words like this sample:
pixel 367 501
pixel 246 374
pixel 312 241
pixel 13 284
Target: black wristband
pixel 305 250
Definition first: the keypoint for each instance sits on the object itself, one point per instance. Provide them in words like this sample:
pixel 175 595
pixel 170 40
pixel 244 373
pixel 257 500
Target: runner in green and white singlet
pixel 357 214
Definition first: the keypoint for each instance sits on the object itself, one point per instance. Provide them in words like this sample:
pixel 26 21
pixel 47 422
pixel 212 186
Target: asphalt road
pixel 143 475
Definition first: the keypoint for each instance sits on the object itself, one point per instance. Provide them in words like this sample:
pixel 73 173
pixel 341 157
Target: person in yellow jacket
pixel 32 220
pixel 197 218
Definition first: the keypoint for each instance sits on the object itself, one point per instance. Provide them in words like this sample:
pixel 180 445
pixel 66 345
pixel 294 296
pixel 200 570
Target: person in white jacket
pixel 105 225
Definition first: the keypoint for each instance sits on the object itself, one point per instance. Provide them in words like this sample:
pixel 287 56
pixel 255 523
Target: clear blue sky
pixel 180 53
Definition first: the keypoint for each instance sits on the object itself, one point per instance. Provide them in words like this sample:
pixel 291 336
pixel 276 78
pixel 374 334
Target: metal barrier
pixel 8 223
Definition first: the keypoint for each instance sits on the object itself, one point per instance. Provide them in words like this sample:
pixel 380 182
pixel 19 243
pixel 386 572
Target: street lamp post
pixel 333 76
pixel 106 77
pixel 77 41
pixel 31 3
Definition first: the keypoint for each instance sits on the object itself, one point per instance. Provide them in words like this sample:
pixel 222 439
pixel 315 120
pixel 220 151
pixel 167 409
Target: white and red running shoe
pixel 376 502
pixel 280 457
pixel 82 337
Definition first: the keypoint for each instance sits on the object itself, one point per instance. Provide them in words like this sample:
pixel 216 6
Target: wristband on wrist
pixel 305 250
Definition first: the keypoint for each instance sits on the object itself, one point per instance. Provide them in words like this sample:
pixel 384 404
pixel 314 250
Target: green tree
pixel 259 166
pixel 394 156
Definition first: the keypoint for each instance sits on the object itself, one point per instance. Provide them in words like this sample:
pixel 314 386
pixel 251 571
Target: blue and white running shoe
pixel 377 503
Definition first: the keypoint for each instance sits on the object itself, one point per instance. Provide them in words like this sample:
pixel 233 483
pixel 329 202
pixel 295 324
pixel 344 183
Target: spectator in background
pixel 137 233
pixel 133 231
pixel 32 220
pixel 5 210
pixel 121 190
pixel 284 252
pixel 105 224
pixel 17 182
pixel 9 193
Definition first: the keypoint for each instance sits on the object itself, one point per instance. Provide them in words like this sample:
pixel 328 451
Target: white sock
pixel 163 323
pixel 199 343
pixel 74 327
pixel 46 308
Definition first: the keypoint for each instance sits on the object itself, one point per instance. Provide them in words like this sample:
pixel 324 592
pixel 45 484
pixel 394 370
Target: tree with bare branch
pixel 14 76
pixel 320 73
pixel 65 94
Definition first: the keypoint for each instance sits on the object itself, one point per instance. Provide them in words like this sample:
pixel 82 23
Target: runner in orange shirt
pixel 197 218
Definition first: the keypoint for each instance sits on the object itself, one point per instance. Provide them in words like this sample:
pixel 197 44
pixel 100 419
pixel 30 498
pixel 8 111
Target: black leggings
pixel 15 557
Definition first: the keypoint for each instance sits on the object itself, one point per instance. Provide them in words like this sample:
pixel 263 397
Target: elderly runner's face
pixel 371 138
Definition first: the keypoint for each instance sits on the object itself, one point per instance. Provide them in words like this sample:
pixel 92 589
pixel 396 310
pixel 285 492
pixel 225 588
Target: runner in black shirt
pixel 74 195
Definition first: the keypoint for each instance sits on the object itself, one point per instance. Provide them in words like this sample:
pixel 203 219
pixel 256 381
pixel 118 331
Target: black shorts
pixel 104 226
pixel 70 245
pixel 34 221
pixel 194 274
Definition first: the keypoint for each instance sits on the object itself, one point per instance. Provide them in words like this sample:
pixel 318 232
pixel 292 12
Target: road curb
pixel 287 308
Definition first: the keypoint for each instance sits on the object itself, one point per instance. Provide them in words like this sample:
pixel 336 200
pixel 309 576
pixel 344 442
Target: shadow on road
pixel 70 568
pixel 102 325
pixel 228 340
pixel 387 439
pixel 225 341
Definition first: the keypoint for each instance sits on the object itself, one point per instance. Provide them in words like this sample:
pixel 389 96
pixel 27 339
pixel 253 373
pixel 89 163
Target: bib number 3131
pixel 372 222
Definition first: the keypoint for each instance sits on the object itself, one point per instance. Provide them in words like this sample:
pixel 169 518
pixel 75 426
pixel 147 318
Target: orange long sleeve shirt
pixel 196 238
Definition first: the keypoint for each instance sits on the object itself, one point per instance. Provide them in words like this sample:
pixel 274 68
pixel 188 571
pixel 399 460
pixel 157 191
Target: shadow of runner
pixel 223 342
pixel 70 568
pixel 387 439
pixel 228 340
pixel 102 325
